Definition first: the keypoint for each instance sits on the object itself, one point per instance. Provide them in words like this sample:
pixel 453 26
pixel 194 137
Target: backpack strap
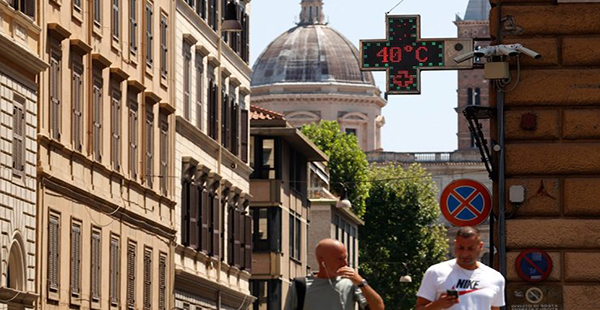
pixel 300 284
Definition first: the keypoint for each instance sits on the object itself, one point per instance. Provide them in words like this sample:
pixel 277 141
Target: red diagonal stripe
pixel 465 203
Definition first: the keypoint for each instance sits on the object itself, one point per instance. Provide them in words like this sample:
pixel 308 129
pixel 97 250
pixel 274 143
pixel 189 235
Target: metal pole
pixel 501 185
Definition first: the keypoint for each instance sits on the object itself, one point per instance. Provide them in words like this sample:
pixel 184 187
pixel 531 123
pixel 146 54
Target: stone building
pixel 211 91
pixel 106 134
pixel 20 65
pixel 311 73
pixel 281 156
pixel 551 143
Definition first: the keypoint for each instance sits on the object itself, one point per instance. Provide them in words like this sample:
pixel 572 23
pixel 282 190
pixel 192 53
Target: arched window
pixel 15 271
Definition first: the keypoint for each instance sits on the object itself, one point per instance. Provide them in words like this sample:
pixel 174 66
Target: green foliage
pixel 400 227
pixel 347 163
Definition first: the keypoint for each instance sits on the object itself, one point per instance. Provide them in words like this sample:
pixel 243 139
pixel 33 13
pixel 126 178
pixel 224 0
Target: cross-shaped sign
pixel 403 54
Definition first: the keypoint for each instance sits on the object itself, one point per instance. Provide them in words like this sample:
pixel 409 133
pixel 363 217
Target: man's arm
pixel 445 301
pixel 495 308
pixel 374 301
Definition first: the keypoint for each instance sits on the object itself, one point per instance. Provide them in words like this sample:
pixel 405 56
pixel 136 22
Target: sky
pixel 414 123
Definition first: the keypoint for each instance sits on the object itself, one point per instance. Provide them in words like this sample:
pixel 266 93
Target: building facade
pixel 212 85
pixel 20 65
pixel 106 130
pixel 281 210
pixel 311 73
pixel 551 145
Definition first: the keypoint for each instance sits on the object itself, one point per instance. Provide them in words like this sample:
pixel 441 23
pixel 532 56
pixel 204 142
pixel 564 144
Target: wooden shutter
pixel 205 221
pixel 162 282
pixel 149 146
pixel 53 253
pixel 115 19
pixel 97 119
pixel 235 122
pixel 237 235
pixel 77 107
pixel 247 242
pixel 164 152
pixel 116 130
pixel 75 260
pixel 131 275
pixel 246 30
pixel 225 121
pixel 185 211
pixel 230 234
pixel 212 110
pixel 149 33
pixel 133 136
pixel 96 263
pixel 163 45
pixel 244 135
pixel 55 95
pixel 18 142
pixel 132 26
pixel 193 211
pixel 148 279
pixel 216 227
pixel 199 88
pixel 187 57
pixel 115 271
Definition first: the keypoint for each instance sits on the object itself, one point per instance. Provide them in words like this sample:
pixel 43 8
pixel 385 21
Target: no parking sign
pixel 466 203
pixel 533 265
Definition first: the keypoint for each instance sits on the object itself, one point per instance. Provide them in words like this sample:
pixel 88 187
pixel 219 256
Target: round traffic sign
pixel 534 295
pixel 533 265
pixel 465 202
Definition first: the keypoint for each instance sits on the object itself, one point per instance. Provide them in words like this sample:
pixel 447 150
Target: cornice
pixel 21 55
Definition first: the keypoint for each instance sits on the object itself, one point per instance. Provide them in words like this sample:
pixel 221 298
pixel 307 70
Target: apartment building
pixel 280 156
pixel 20 64
pixel 104 169
pixel 212 87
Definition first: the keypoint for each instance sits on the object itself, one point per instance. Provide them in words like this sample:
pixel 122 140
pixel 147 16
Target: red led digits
pixel 418 54
pixel 403 79
pixel 394 54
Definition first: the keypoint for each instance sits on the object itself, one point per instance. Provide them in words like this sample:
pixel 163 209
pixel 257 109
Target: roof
pixel 478 10
pixel 261 113
pixel 310 53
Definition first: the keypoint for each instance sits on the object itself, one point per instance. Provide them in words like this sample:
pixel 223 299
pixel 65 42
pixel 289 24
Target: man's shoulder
pixel 491 272
pixel 441 266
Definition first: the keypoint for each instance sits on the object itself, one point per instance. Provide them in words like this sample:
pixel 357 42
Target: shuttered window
pixel 201 8
pixel 97 115
pixel 131 249
pixel 133 135
pixel 164 152
pixel 247 246
pixel 98 12
pixel 132 26
pixel 148 278
pixel 225 117
pixel 77 105
pixel 235 126
pixel 75 259
pixel 186 185
pixel 205 220
pixel 194 214
pixel 116 129
pixel 215 226
pixel 243 134
pixel 199 89
pixel 149 34
pixel 115 272
pixel 76 5
pixel 116 20
pixel 19 132
pixel 162 281
pixel 96 264
pixel 163 45
pixel 213 121
pixel 55 95
pixel 187 58
pixel 149 152
pixel 53 252
pixel 213 13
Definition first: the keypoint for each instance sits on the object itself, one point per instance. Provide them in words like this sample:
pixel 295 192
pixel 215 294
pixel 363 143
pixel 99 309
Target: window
pixel 267 158
pixel 199 88
pixel 75 259
pixel 201 8
pixel 25 6
pixel 266 233
pixel 297 175
pixel 267 293
pixel 162 281
pixel 55 93
pixel 225 116
pixel 97 114
pixel 469 96
pixel 246 239
pixel 98 12
pixel 195 211
pixel 147 278
pixel 164 152
pixel 96 264
pixel 115 272
pixel 149 145
pixel 133 135
pixel 477 95
pixel 131 249
pixel 243 131
pixel 19 132
pixel 213 121
pixel 132 26
pixel 115 20
pixel 76 5
pixel 295 236
pixel 213 13
pixel 53 252
pixel 245 37
pixel 149 34
pixel 351 131
pixel 234 123
pixel 115 129
pixel 187 59
pixel 77 102
pixel 215 225
pixel 163 46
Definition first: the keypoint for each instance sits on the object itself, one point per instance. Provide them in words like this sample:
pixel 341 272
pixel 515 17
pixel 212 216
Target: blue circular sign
pixel 465 203
pixel 533 265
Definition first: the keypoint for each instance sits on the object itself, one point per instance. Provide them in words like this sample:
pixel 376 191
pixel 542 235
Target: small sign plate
pixel 534 297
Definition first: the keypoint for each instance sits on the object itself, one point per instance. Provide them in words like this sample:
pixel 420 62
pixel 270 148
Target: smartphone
pixel 452 293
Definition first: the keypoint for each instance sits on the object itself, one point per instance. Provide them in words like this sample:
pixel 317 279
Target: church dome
pixel 311 52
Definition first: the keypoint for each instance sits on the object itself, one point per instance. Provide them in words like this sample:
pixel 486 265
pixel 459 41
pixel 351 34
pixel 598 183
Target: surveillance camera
pixel 531 53
pixel 464 57
pixel 485 52
pixel 506 50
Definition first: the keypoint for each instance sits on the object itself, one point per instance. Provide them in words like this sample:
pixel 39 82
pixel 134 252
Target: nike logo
pixel 468 291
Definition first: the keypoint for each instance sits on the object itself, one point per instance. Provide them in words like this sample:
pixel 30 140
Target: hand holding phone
pixel 453 293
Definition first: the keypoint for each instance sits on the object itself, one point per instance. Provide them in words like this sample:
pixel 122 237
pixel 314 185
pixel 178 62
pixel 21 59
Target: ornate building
pixel 311 73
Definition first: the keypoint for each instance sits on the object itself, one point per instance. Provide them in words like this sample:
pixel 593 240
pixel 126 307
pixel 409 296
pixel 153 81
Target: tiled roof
pixel 260 113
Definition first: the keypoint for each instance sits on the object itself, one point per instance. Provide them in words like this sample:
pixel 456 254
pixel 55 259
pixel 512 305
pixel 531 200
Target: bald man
pixel 336 286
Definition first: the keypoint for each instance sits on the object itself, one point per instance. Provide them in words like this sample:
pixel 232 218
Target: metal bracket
pixel 473 114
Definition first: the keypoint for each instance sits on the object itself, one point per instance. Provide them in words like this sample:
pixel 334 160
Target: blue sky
pixel 414 123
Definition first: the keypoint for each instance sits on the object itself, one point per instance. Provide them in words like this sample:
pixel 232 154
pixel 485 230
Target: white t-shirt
pixel 478 289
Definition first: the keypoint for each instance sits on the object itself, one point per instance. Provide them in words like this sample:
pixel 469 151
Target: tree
pixel 401 234
pixel 348 166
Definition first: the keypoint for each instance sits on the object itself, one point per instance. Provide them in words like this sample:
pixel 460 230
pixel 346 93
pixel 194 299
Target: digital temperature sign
pixel 403 54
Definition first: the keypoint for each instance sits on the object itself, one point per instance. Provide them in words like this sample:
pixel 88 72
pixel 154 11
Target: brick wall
pixel 558 162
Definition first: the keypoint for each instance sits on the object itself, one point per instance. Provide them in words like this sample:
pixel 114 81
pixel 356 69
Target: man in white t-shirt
pixel 462 283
